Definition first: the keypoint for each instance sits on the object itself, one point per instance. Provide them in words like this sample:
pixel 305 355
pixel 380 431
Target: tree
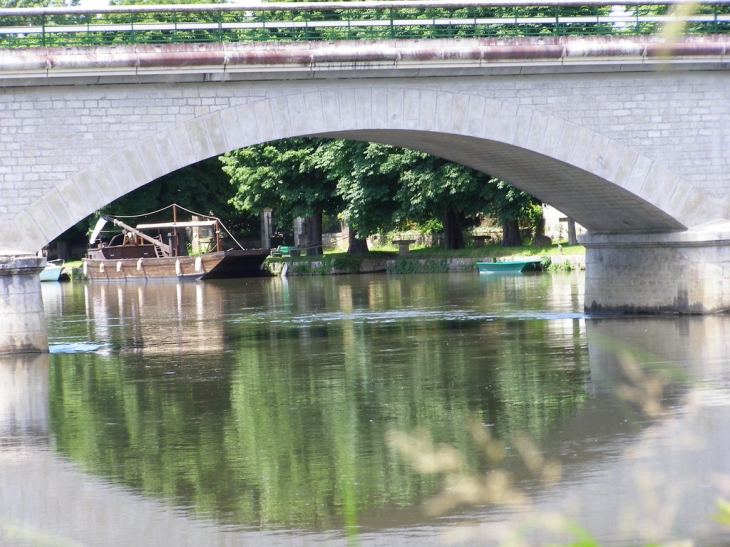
pixel 281 175
pixel 432 188
pixel 386 187
pixel 373 187
pixel 307 177
pixel 509 205
pixel 35 19
pixel 367 195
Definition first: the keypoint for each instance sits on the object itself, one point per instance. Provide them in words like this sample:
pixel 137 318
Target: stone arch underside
pixel 590 200
pixel 599 182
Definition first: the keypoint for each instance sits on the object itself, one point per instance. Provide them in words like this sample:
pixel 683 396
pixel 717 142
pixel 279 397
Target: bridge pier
pixel 671 272
pixel 22 319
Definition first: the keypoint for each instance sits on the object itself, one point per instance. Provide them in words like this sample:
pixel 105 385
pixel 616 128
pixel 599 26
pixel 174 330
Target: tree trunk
pixel 453 239
pixel 62 250
pixel 314 234
pixel 511 234
pixel 356 246
pixel 540 227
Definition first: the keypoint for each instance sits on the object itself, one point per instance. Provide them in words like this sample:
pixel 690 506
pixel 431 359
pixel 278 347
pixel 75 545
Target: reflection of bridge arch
pixel 686 449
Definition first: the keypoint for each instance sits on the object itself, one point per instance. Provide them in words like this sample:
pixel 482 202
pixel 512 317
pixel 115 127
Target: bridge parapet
pixel 364 20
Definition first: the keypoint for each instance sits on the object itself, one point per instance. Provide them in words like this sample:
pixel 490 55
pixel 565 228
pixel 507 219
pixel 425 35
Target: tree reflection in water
pixel 270 407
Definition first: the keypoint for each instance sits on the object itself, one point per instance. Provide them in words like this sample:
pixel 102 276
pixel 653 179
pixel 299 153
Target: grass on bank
pixel 494 250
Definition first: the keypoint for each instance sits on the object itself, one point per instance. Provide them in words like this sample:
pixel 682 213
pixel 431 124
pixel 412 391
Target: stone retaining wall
pixel 317 267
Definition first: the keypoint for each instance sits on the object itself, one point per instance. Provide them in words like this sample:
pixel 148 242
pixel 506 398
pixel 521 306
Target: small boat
pixel 52 270
pixel 160 250
pixel 513 266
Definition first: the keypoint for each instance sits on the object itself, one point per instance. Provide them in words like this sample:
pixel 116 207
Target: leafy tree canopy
pixel 374 187
pixel 280 175
pixel 366 192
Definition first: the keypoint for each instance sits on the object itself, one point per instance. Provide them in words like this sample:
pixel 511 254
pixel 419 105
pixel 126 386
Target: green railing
pixel 359 20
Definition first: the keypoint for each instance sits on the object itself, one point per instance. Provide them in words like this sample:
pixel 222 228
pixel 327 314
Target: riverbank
pixel 422 261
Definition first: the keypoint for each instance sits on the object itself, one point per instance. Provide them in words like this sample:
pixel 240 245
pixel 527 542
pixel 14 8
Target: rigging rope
pixel 209 217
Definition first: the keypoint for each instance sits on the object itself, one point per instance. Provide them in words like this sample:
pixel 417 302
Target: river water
pixel 281 412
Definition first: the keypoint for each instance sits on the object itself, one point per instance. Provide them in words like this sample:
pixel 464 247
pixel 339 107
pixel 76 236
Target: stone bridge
pixel 628 136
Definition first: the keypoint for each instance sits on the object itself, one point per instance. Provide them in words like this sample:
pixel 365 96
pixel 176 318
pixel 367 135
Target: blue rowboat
pixel 513 266
pixel 52 271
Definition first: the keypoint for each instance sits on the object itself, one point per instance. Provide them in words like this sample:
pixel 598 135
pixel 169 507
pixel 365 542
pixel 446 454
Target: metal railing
pixel 357 20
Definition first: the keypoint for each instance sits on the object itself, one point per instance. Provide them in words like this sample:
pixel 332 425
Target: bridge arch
pixel 604 185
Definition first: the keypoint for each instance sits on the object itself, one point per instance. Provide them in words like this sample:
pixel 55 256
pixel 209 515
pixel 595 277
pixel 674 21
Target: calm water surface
pixel 258 412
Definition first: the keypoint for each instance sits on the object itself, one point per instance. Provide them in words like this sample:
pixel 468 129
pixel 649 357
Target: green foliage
pixel 161 2
pixel 311 24
pixel 32 40
pixel 510 203
pixel 373 187
pixel 351 263
pixel 280 175
pixel 306 268
pixel 553 264
pixel 367 194
pixel 429 187
pixel 261 422
pixel 431 226
pixel 533 215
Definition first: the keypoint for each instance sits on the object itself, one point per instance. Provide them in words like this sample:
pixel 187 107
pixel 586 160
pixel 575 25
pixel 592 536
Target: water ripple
pixel 414 314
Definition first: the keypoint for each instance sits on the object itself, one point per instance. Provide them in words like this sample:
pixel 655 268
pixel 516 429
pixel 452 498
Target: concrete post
pixel 300 232
pixel 677 272
pixel 572 238
pixel 22 319
pixel 266 228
